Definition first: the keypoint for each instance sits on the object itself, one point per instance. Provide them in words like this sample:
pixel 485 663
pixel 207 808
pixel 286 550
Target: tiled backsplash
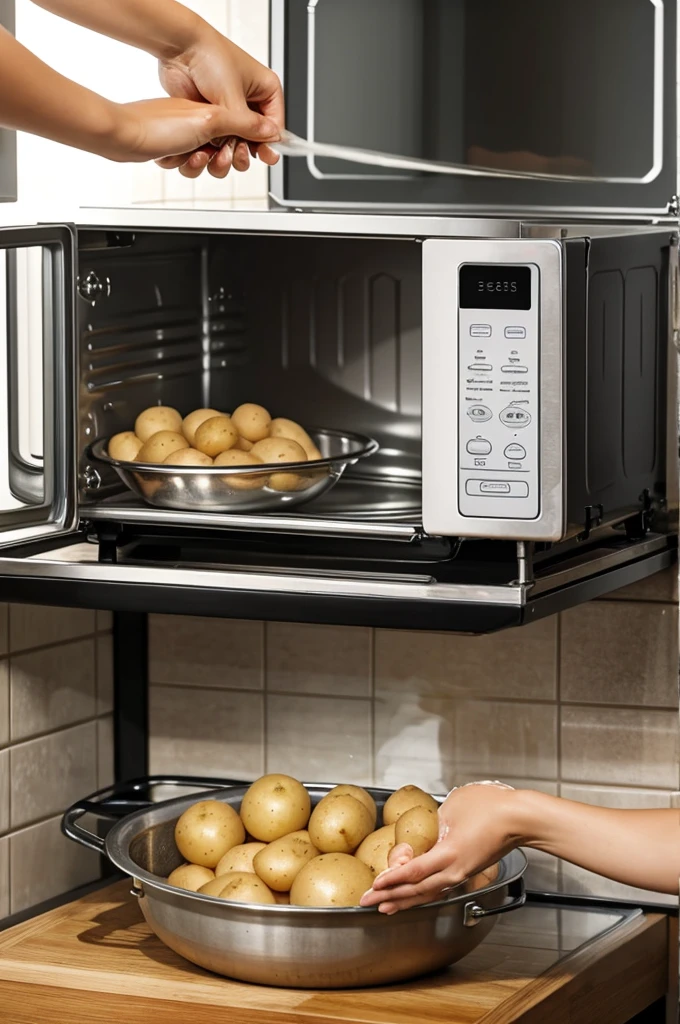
pixel 584 705
pixel 56 744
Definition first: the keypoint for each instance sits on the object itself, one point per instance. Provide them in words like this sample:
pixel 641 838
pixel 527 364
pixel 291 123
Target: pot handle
pixel 473 913
pixel 122 798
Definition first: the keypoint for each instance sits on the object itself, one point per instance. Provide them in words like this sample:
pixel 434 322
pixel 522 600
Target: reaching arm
pixel 197 63
pixel 480 824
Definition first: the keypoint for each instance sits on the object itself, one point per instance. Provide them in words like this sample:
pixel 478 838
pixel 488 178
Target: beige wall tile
pixel 206 732
pixel 520 663
pixel 33 625
pixel 249 26
pixel 620 653
pixel 4 703
pixel 104 674
pixel 575 881
pixel 662 586
pixel 105 766
pixel 414 744
pixel 104 621
pixel 319 739
pixel 493 739
pixel 48 774
pixel 44 863
pixel 623 797
pixel 4 628
pixel 620 746
pixel 4 791
pixel 4 877
pixel 51 688
pixel 543 872
pixel 192 651
pixel 333 660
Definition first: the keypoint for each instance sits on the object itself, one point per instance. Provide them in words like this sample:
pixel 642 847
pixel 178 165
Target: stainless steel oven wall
pixel 141 334
pixel 504 83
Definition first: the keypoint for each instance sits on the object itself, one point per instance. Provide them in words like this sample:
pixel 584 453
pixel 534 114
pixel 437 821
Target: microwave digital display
pixel 495 287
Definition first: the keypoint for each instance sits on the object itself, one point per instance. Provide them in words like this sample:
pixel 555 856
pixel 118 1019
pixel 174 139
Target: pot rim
pixel 121 835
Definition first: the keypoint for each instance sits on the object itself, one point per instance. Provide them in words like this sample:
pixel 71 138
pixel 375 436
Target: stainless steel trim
pixel 308 525
pixel 263 222
pixel 595 561
pixel 441 260
pixel 309 148
pixel 72 568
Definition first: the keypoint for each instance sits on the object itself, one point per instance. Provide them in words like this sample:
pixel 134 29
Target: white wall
pixel 55 180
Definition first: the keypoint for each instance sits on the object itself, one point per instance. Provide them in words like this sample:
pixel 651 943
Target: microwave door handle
pixel 292 145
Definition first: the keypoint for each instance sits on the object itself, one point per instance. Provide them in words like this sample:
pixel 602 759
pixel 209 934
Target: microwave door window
pixel 552 86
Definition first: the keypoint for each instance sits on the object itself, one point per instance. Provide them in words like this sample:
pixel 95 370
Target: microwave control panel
pixel 499 391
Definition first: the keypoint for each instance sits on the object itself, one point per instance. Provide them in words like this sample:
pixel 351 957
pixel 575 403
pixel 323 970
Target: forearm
pixel 640 848
pixel 35 98
pixel 161 27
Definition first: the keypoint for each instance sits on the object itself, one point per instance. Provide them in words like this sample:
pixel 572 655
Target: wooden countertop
pixel 95 961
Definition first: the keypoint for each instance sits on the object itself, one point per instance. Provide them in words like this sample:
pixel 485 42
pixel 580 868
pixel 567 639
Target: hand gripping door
pixel 37 384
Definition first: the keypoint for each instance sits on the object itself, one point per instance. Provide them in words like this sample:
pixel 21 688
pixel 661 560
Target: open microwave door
pixel 37 384
pixel 578 89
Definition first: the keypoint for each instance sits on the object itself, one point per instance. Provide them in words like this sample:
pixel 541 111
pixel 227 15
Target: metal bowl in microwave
pixel 291 946
pixel 225 488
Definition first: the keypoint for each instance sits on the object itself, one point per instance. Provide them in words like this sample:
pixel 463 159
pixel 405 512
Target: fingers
pixel 245 123
pixel 398 897
pixel 416 869
pixel 400 855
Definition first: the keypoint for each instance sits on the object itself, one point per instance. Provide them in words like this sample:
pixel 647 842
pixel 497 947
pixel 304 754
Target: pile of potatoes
pixel 278 850
pixel 249 437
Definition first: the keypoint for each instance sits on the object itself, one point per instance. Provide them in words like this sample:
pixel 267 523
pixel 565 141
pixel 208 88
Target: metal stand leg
pixel 131 695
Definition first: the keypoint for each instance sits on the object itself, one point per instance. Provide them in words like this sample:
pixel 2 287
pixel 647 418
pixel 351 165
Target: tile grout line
pixel 265 697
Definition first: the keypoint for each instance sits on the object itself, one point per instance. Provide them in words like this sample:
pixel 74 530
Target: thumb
pixel 400 855
pixel 243 123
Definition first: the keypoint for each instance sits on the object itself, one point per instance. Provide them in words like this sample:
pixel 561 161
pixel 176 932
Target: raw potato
pixel 215 436
pixel 339 824
pixel 214 887
pixel 158 417
pixel 251 421
pixel 331 880
pixel 190 876
pixel 239 858
pixel 188 457
pixel 403 800
pixel 192 422
pixel 359 794
pixel 243 445
pixel 294 432
pixel 279 863
pixel 419 827
pixel 375 849
pixel 207 830
pixel 124 447
pixel 160 445
pixel 278 450
pixel 244 887
pixel 242 481
pixel 274 806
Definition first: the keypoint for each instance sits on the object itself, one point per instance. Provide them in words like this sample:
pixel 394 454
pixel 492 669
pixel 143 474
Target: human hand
pixel 477 826
pixel 168 129
pixel 215 70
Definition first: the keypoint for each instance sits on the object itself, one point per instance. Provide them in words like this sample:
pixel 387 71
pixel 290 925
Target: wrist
pixel 120 136
pixel 531 815
pixel 185 34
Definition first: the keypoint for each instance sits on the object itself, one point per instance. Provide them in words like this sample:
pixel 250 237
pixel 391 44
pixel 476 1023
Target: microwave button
pixel 514 368
pixel 480 367
pixel 516 333
pixel 497 488
pixel 478 446
pixel 479 413
pixel 514 417
pixel 480 330
pixel 515 451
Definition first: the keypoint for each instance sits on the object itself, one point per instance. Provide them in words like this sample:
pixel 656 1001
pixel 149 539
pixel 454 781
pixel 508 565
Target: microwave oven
pixel 519 378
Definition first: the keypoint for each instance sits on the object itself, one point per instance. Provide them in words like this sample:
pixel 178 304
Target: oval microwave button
pixel 497 488
pixel 515 417
pixel 515 451
pixel 494 487
pixel 478 446
pixel 479 413
pixel 514 368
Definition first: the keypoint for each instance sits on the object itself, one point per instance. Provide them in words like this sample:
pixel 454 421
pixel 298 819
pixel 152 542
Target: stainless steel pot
pixel 296 947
